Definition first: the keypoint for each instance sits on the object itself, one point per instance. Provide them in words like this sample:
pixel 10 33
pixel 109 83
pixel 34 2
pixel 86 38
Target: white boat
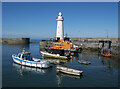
pixel 25 59
pixel 69 71
pixel 54 55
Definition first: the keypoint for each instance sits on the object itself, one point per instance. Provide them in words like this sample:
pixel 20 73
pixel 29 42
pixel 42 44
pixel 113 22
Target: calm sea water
pixel 102 72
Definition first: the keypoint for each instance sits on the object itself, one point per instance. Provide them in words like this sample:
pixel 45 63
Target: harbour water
pixel 102 72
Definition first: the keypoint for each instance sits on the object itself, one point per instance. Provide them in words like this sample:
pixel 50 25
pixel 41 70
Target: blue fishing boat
pixel 25 59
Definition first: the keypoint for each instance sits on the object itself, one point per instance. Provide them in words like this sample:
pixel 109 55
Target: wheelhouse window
pixel 22 56
pixel 19 55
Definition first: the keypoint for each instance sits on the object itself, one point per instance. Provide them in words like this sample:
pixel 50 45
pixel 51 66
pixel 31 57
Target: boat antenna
pixel 107 32
pixel 66 34
pixel 23 50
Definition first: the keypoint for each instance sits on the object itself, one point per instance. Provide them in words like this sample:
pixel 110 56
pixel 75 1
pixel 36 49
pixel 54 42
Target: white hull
pixel 31 63
pixel 69 71
pixel 53 55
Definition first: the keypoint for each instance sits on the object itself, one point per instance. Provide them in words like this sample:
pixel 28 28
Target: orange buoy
pixel 69 52
pixel 106 55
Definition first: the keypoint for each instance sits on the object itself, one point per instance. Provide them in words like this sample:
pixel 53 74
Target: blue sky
pixel 37 20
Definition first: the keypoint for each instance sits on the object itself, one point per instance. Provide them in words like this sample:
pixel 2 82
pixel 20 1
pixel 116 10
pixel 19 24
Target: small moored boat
pixel 25 59
pixel 69 71
pixel 106 52
pixel 50 55
pixel 84 62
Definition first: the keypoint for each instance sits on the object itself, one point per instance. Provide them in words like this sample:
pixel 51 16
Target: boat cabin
pixel 62 45
pixel 24 56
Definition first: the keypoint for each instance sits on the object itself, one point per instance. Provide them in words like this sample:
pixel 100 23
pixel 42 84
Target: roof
pixel 24 53
pixel 20 53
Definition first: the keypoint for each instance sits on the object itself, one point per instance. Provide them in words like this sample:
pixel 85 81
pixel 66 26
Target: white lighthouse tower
pixel 59 33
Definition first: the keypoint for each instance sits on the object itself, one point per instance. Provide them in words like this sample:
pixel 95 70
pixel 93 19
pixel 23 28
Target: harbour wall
pixel 93 44
pixel 15 40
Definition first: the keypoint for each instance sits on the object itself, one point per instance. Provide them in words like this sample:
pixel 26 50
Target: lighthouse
pixel 59 33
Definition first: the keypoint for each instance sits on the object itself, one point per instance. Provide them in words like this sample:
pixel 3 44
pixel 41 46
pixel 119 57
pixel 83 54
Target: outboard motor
pixel 79 50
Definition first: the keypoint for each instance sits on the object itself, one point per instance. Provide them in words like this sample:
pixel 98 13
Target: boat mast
pixel 107 32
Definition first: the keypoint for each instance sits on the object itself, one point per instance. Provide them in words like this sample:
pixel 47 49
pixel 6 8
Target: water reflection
pixel 109 62
pixel 68 75
pixel 60 77
pixel 24 70
pixel 59 80
pixel 56 59
pixel 59 61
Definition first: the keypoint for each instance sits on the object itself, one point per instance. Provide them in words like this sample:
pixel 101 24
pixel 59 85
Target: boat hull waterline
pixel 54 55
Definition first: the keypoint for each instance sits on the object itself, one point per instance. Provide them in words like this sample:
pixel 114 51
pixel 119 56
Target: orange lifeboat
pixel 62 45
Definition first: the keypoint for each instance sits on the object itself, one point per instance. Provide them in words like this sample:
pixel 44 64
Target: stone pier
pixel 15 40
pixel 93 43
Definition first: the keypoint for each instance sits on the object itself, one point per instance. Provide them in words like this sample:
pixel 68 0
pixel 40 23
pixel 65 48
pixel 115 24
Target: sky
pixel 37 20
